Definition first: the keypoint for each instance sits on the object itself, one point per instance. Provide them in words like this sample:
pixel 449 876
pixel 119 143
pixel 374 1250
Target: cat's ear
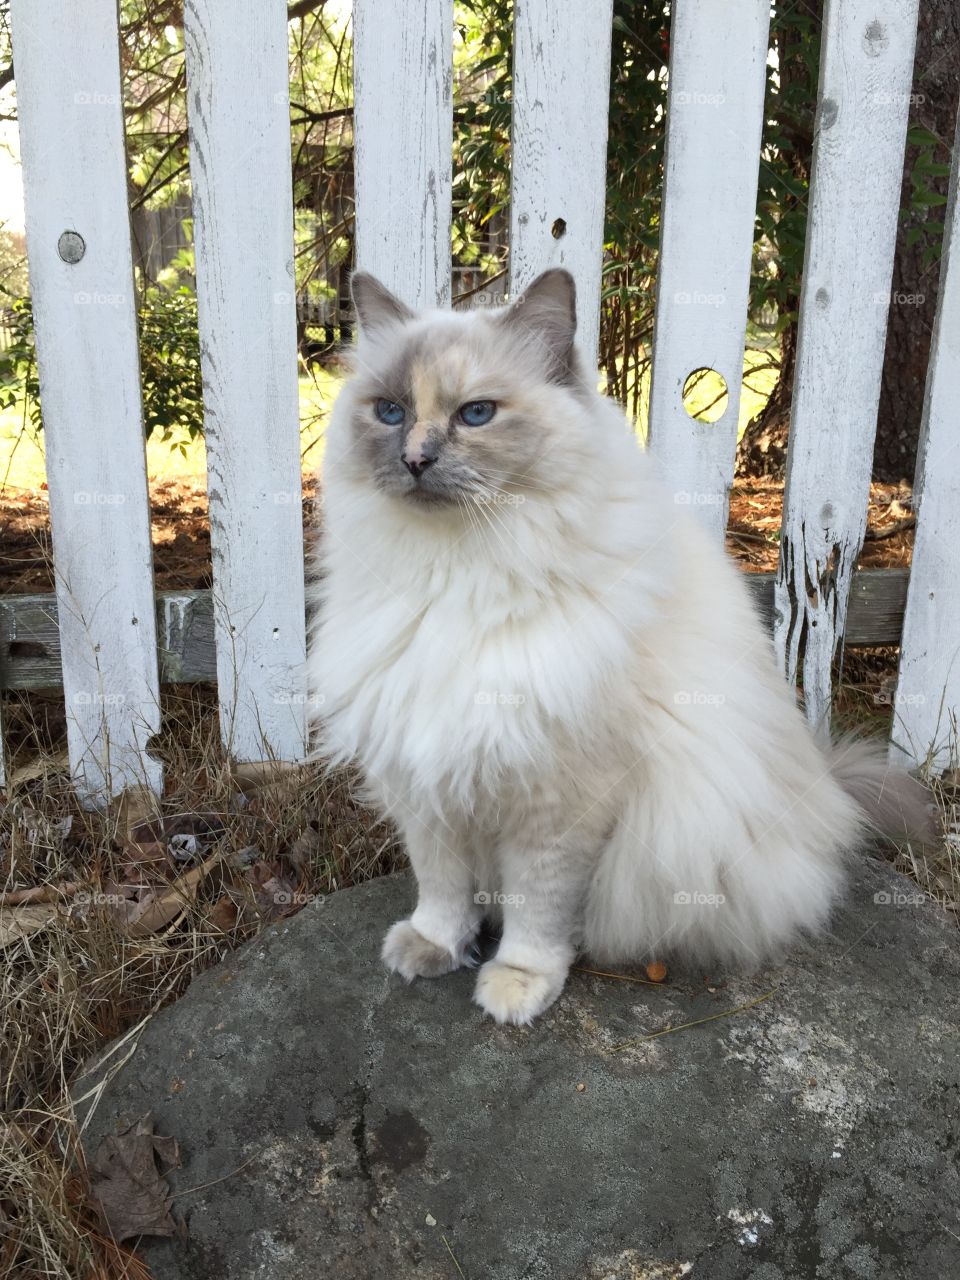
pixel 546 312
pixel 376 306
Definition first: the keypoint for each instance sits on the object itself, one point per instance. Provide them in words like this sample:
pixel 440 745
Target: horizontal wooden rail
pixel 30 640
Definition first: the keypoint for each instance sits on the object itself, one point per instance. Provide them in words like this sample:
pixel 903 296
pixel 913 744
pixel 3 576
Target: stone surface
pixel 335 1122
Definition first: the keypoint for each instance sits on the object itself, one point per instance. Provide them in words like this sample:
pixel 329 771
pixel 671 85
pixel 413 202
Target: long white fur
pixel 568 705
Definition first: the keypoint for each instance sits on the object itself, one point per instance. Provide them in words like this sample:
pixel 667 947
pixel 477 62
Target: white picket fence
pixel 71 122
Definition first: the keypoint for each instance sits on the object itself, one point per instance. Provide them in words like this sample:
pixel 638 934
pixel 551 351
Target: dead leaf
pixel 39 893
pixel 223 914
pixel 135 805
pixel 126 1186
pixel 39 767
pixel 155 910
pixel 244 859
pixel 252 774
pixel 23 921
pixel 303 850
pixel 39 829
pixel 274 892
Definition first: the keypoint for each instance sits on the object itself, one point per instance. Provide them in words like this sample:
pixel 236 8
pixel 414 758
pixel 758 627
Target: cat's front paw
pixel 511 994
pixel 407 952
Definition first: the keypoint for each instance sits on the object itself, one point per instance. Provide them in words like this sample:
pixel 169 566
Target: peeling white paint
pixel 851 236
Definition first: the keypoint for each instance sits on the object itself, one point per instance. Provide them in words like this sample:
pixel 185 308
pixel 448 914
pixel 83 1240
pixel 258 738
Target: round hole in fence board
pixel 705 395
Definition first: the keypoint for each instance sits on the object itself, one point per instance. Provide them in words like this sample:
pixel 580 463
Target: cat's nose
pixel 416 460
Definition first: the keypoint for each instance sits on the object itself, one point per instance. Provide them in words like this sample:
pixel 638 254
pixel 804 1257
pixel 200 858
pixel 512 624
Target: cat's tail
pixel 894 803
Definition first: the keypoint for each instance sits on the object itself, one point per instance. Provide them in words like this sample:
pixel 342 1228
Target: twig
pixel 454 1257
pixel 623 977
pixel 898 526
pixel 187 1191
pixel 39 893
pixel 725 1013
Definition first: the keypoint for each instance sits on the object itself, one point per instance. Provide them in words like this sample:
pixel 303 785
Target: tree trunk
pixel 913 295
pixel 762 450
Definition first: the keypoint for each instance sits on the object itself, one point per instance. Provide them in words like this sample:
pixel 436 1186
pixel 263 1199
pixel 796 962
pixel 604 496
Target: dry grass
pixel 69 987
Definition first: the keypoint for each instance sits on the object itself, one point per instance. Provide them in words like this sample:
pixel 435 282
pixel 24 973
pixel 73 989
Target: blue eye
pixel 476 413
pixel 390 413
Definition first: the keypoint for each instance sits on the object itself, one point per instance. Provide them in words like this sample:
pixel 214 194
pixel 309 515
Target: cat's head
pixel 449 406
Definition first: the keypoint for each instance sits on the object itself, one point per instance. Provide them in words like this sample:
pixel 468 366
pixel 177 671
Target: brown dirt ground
pixel 181 533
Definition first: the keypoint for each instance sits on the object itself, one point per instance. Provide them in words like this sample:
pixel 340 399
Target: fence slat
pixel 865 81
pixel 718 57
pixel 561 101
pixel 81 276
pixel 927 703
pixel 403 121
pixel 238 105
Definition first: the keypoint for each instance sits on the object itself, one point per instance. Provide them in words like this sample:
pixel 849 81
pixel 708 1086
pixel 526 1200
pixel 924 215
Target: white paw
pixel 407 952
pixel 510 994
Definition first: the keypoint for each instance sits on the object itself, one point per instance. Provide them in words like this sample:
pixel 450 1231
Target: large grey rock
pixel 335 1122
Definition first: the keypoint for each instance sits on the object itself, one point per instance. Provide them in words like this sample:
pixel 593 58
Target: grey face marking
pixel 422 378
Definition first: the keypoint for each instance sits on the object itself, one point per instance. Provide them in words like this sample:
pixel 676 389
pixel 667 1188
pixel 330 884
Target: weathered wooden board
pixel 30 646
pixel 865 82
pixel 403 163
pixel 237 99
pixel 927 705
pixel 561 98
pixel 718 59
pixel 81 277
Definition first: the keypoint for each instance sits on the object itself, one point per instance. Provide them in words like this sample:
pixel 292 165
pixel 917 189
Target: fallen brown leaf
pixel 126 1186
pixel 154 910
pixel 39 767
pixel 252 774
pixel 303 850
pixel 223 914
pixel 274 891
pixel 23 921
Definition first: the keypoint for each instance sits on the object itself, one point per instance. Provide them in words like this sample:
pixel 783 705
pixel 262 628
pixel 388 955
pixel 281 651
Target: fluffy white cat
pixel 553 682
